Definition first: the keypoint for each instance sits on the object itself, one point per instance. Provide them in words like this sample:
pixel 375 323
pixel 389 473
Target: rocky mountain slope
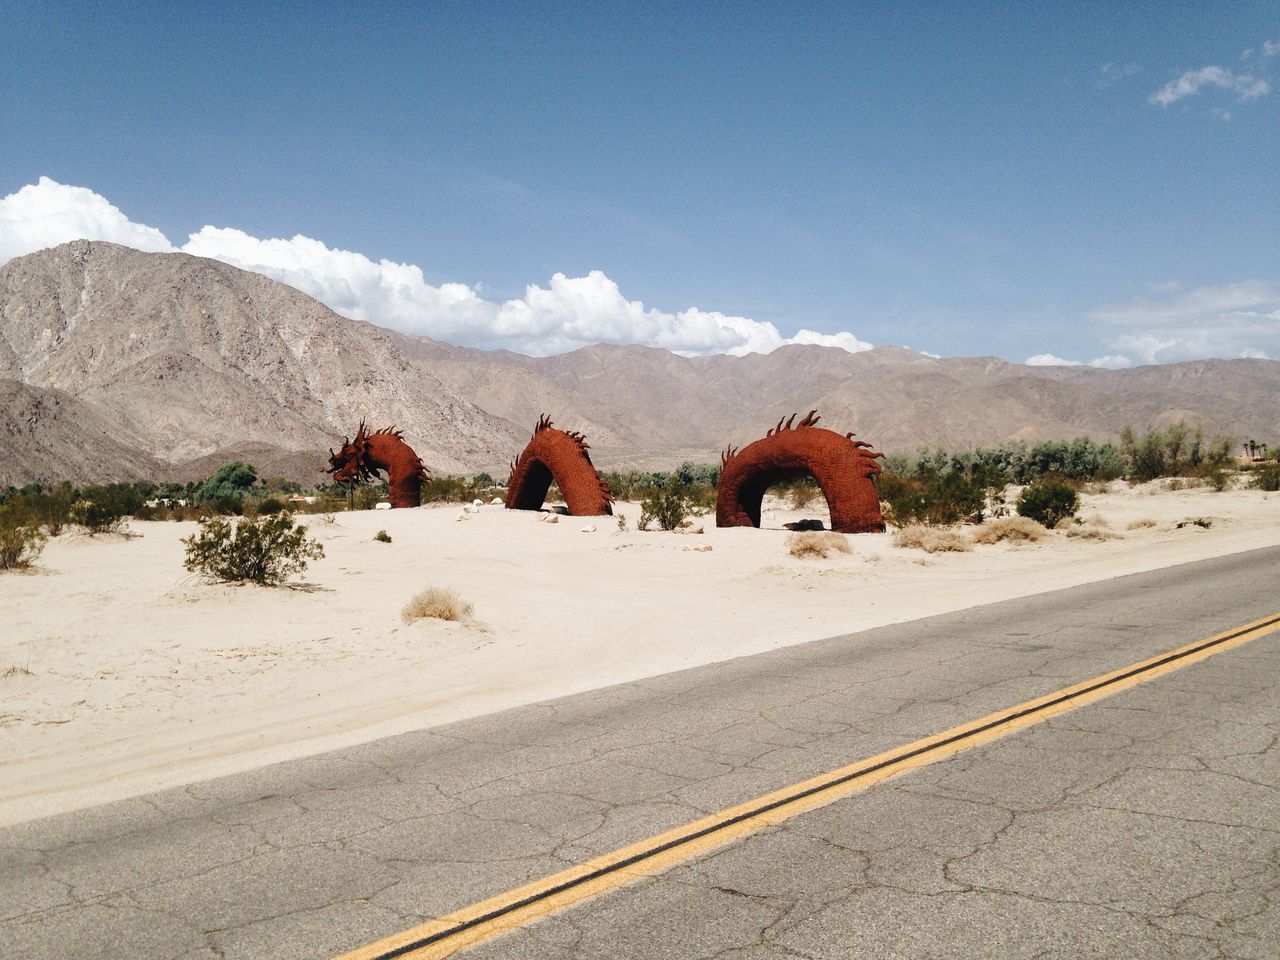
pixel 117 364
pixel 190 358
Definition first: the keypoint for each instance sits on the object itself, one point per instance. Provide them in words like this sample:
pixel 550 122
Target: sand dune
pixel 142 676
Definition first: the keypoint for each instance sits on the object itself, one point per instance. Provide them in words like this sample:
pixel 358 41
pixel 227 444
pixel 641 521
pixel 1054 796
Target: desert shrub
pixel 369 495
pixel 935 497
pixel 1217 479
pixel 1087 532
pixel 667 507
pixel 271 506
pixel 50 508
pixel 103 509
pixel 1268 478
pixel 1204 523
pixel 382 536
pixel 436 603
pixel 930 539
pixel 446 490
pixel 1177 450
pixel 812 543
pixel 801 492
pixel 225 506
pixel 1141 524
pixel 1048 502
pixel 621 520
pixel 21 538
pixel 1011 530
pixel 232 480
pixel 268 550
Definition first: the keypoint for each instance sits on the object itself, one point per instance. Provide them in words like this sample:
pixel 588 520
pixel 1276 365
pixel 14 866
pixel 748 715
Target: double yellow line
pixel 446 935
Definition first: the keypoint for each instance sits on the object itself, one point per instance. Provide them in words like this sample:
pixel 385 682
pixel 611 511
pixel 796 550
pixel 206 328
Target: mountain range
pixel 117 364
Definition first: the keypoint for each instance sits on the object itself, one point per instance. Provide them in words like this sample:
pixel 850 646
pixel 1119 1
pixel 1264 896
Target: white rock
pixel 496 501
pixel 461 516
pixel 590 528
pixel 382 506
pixel 477 504
pixel 553 518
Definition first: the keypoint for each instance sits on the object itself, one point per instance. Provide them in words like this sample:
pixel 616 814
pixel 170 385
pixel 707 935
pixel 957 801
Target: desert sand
pixel 121 673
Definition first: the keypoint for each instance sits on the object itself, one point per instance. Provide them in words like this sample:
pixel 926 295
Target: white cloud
pixel 1244 86
pixel 1270 48
pixel 1049 360
pixel 47 213
pixel 568 313
pixel 1231 320
pixel 1112 361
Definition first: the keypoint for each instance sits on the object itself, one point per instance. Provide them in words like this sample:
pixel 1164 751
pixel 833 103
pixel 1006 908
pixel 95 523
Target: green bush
pixel 1267 478
pixel 446 489
pixel 229 481
pixel 1048 502
pixel 668 507
pixel 21 538
pixel 935 497
pixel 104 509
pixel 268 550
pixel 1179 450
pixel 382 536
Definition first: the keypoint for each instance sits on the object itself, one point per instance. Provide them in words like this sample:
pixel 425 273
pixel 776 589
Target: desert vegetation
pixel 21 538
pixel 1048 501
pixel 436 603
pixel 814 543
pixel 1010 530
pixel 267 550
pixel 930 539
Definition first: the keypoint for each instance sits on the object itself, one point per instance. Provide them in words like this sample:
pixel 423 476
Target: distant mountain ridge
pixel 119 364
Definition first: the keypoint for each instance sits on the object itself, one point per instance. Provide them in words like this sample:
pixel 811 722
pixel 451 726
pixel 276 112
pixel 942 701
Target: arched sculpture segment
pixel 842 466
pixel 556 455
pixel 360 460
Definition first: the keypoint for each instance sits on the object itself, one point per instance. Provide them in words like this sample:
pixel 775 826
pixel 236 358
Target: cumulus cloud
pixel 47 213
pixel 1240 319
pixel 1049 360
pixel 1245 86
pixel 568 313
pixel 1112 361
pixel 1270 48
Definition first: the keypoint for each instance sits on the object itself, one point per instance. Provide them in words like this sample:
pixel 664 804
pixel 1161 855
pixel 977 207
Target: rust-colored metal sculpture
pixel 556 455
pixel 360 460
pixel 842 466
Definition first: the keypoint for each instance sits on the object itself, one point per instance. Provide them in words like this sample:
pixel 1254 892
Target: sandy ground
pixel 120 673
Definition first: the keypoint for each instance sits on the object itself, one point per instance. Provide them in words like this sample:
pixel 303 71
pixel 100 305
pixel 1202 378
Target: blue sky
pixel 1002 179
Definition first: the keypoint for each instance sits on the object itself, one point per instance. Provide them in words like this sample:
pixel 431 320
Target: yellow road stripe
pixel 514 908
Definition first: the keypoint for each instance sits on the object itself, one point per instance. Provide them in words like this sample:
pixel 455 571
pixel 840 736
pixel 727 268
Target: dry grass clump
pixel 436 603
pixel 931 539
pixel 811 543
pixel 1083 532
pixel 1141 524
pixel 1011 529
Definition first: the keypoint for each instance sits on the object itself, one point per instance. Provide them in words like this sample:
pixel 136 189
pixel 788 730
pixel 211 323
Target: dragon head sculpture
pixel 351 463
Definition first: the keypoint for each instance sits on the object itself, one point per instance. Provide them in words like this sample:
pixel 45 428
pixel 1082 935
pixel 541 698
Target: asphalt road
pixel 1147 824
